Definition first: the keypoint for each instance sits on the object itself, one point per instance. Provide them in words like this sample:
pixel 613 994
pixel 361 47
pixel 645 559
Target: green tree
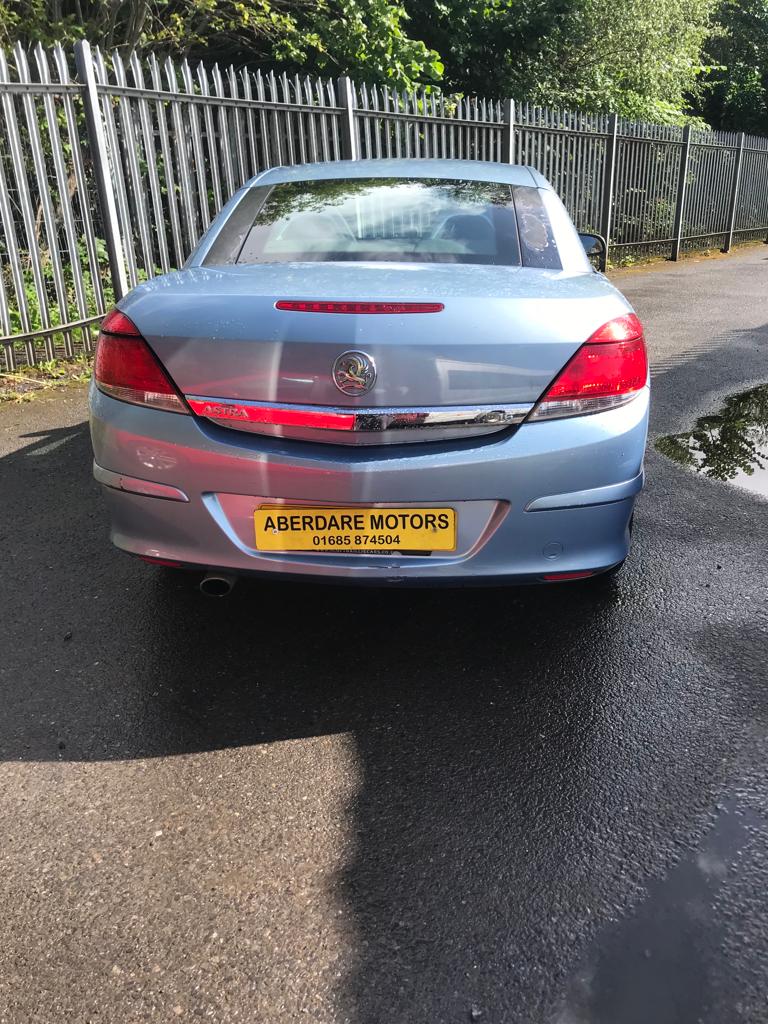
pixel 638 57
pixel 366 38
pixel 735 93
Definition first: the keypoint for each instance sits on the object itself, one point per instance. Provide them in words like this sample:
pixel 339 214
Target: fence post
pixel 100 157
pixel 350 148
pixel 508 133
pixel 734 195
pixel 609 173
pixel 682 183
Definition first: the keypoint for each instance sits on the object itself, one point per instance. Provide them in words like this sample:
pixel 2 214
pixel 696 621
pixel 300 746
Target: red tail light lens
pixel 274 417
pixel 609 370
pixel 306 306
pixel 126 368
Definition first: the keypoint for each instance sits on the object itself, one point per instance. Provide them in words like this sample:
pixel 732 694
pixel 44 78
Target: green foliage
pixel 57 316
pixel 640 58
pixel 667 61
pixel 735 83
pixel 367 38
pixel 363 38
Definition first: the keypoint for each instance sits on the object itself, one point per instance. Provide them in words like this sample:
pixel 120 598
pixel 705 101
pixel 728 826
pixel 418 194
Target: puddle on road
pixel 656 965
pixel 730 445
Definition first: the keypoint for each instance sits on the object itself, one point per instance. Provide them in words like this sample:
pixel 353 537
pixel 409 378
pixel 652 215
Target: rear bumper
pixel 552 497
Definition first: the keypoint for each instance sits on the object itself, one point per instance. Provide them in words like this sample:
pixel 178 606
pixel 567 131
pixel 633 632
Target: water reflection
pixel 729 445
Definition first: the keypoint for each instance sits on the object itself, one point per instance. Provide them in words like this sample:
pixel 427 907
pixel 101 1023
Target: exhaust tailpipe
pixel 217 584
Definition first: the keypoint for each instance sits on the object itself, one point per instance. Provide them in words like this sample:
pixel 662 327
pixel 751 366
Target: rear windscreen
pixel 400 220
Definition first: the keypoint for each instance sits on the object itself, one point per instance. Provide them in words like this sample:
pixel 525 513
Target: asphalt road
pixel 377 807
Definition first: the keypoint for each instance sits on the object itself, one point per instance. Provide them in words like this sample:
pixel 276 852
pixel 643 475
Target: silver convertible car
pixel 379 371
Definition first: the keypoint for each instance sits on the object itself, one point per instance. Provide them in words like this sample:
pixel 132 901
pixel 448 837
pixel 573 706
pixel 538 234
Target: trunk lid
pixel 502 336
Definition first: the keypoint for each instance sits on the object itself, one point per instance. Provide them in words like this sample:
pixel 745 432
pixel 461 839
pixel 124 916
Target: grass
pixel 632 260
pixel 24 383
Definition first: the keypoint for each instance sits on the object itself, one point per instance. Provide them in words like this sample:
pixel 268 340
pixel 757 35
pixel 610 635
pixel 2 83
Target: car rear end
pixel 377 377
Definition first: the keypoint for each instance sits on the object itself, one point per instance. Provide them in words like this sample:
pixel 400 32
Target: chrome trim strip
pixel 134 485
pixel 377 420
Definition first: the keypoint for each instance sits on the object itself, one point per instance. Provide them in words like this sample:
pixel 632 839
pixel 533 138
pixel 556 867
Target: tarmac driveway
pixel 305 803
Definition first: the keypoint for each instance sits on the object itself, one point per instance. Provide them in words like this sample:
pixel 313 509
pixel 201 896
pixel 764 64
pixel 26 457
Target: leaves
pixel 364 38
pixel 735 83
pixel 666 61
pixel 640 58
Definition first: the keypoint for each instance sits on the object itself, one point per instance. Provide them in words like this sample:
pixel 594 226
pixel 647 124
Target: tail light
pixel 126 367
pixel 609 370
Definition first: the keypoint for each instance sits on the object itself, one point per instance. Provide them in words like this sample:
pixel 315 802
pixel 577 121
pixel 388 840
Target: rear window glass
pixel 419 220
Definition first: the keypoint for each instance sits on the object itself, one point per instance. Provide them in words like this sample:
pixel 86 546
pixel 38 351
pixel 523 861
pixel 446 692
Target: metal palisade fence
pixel 112 168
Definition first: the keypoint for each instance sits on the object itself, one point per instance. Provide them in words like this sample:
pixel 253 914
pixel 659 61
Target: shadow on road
pixel 517 748
pixel 276 660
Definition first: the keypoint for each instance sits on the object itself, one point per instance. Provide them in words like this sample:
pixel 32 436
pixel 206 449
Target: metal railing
pixel 111 169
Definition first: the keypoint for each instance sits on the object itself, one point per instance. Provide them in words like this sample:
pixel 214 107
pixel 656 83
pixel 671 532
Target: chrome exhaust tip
pixel 217 584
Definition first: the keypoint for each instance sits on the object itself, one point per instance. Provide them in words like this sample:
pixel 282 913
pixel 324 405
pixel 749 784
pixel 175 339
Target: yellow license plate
pixel 289 528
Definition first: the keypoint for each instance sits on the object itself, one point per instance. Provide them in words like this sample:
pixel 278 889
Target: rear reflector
pixel 305 306
pixel 168 563
pixel 554 577
pixel 609 370
pixel 126 368
pixel 272 416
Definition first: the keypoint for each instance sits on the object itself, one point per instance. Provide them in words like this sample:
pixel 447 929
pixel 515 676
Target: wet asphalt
pixel 378 807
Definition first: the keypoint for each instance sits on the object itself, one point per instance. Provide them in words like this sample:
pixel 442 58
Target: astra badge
pixel 354 373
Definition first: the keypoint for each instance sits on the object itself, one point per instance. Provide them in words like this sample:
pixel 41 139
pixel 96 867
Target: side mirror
pixel 596 249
